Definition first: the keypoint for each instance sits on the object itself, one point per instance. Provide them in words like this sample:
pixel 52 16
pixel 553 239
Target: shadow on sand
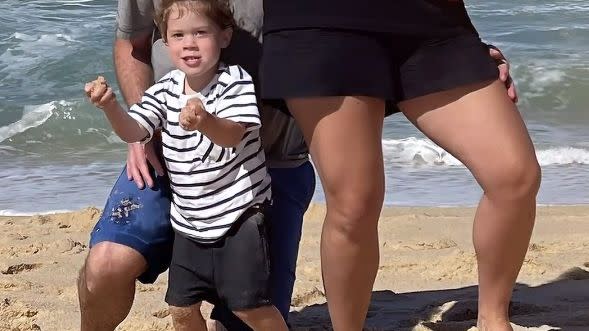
pixel 562 304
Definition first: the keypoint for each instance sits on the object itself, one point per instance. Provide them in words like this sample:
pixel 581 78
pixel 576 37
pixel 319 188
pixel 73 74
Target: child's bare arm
pixel 102 96
pixel 222 132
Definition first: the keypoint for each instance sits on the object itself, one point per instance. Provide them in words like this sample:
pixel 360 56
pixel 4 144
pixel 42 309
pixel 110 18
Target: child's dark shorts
pixel 319 62
pixel 233 271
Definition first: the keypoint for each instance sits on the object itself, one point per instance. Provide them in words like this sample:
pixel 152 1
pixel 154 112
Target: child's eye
pixel 177 35
pixel 202 32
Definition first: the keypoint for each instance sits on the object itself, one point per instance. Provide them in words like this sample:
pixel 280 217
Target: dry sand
pixel 427 278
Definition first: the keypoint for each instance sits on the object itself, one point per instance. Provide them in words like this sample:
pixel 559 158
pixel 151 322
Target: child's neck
pixel 194 84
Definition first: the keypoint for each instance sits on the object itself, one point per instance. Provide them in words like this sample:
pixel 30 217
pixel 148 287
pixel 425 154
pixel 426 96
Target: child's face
pixel 195 42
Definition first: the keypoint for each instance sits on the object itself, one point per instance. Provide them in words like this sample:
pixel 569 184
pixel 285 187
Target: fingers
pixel 137 166
pixel 185 118
pixel 195 102
pixel 503 71
pixel 136 174
pixel 504 68
pixel 128 169
pixel 495 52
pixel 135 151
pixel 88 88
pixel 189 117
pixel 99 93
pixel 144 170
pixel 512 91
pixel 106 97
pixel 153 159
pixel 501 62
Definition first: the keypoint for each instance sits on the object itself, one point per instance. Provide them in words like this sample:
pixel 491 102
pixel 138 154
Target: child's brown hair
pixel 219 11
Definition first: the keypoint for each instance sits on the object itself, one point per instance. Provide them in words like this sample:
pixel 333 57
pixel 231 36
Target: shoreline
pixel 426 279
pixel 16 213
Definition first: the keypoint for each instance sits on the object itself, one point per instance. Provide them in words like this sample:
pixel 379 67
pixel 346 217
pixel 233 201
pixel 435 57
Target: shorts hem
pixel 183 302
pixel 122 239
pixel 249 305
pixel 461 83
pixel 152 272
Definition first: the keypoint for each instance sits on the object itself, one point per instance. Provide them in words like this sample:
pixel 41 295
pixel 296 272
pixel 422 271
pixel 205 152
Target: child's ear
pixel 226 36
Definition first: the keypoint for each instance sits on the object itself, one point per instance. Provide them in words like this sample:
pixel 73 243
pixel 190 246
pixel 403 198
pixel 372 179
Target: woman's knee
pixel 354 214
pixel 515 182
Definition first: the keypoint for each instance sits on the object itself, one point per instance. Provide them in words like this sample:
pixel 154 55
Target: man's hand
pixel 193 115
pixel 504 75
pixel 137 168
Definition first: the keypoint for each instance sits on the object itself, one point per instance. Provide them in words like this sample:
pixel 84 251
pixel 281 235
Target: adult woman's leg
pixel 344 138
pixel 481 127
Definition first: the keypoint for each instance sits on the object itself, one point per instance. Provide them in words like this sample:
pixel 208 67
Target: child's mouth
pixel 191 60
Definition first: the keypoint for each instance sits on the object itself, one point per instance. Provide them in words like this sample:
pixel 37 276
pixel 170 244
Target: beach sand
pixel 427 277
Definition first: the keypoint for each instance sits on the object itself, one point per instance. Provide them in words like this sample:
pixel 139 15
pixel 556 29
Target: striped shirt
pixel 211 185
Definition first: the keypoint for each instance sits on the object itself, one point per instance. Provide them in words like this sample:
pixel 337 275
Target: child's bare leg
pixel 266 318
pixel 213 325
pixel 188 318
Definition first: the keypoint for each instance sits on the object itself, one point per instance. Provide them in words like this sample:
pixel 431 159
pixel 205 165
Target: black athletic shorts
pixel 316 62
pixel 234 271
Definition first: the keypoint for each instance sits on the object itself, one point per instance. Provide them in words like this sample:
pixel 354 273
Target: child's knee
pixel 186 317
pixel 255 316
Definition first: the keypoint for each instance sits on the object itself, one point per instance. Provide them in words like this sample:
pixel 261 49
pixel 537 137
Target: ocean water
pixel 58 153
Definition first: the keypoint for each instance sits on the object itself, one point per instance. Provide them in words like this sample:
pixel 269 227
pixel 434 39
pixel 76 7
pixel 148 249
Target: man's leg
pixel 292 191
pixel 106 285
pixel 132 240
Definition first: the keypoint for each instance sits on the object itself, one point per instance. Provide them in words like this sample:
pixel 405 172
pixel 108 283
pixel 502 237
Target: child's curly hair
pixel 219 11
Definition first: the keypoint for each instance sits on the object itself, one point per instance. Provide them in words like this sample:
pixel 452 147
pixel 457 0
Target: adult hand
pixel 504 75
pixel 137 168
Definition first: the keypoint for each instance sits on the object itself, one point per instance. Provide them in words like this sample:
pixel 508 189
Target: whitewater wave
pixel 414 151
pixel 33 116
pixel 16 213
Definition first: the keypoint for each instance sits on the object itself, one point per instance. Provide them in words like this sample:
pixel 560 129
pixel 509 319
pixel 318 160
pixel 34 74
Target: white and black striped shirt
pixel 211 185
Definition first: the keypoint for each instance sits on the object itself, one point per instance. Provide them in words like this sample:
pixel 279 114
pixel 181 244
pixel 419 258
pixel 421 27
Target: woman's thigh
pixel 479 125
pixel 344 137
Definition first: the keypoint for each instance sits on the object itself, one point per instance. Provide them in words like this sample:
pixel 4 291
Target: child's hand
pixel 99 93
pixel 193 115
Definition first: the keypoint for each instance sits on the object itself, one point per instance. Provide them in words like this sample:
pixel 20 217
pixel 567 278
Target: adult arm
pixel 135 75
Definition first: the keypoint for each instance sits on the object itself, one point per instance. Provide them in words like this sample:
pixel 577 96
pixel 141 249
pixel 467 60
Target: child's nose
pixel 190 41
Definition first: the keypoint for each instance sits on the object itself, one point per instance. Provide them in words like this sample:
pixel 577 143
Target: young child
pixel 207 112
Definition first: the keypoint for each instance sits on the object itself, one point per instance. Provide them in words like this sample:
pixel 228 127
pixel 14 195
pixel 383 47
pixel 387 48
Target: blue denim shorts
pixel 139 219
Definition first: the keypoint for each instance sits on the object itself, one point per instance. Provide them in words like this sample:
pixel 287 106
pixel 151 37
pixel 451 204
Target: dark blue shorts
pixel 139 219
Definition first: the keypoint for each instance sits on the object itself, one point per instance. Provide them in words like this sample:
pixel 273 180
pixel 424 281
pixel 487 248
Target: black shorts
pixel 234 271
pixel 338 62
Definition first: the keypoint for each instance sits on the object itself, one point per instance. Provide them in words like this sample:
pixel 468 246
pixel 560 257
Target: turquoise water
pixel 58 153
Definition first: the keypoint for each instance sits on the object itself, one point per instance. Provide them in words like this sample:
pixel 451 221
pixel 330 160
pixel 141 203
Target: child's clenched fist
pixel 99 93
pixel 193 115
